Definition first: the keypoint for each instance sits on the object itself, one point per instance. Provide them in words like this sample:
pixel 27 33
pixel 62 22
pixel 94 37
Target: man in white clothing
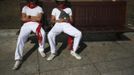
pixel 31 16
pixel 62 19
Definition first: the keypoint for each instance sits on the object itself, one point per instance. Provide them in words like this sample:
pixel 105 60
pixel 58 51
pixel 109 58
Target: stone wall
pixel 10 13
pixel 130 12
pixel 88 0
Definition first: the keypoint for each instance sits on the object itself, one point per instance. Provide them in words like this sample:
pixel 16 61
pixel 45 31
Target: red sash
pixel 38 33
pixel 70 42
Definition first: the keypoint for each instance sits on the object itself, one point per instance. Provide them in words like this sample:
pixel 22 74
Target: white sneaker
pixel 41 51
pixel 43 54
pixel 51 56
pixel 16 65
pixel 77 56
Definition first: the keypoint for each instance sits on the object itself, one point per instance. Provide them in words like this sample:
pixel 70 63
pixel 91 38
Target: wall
pixel 10 13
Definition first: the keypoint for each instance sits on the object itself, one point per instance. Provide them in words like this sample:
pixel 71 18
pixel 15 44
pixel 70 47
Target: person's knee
pixel 21 36
pixel 79 34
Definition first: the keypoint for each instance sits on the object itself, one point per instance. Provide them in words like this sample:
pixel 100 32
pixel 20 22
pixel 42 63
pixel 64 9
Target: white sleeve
pixel 24 9
pixel 70 12
pixel 53 12
pixel 40 10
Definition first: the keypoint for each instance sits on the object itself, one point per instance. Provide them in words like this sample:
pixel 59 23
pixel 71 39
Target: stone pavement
pixel 113 57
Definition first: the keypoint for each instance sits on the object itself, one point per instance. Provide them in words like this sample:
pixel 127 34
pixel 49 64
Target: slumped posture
pixel 62 19
pixel 31 16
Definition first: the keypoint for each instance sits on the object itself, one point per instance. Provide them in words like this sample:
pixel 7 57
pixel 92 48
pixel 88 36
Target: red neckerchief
pixel 31 7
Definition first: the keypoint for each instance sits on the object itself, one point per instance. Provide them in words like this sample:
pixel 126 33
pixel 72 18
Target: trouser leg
pixel 42 44
pixel 56 30
pixel 72 31
pixel 20 42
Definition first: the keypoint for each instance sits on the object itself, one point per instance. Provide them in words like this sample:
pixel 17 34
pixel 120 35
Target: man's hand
pixel 26 18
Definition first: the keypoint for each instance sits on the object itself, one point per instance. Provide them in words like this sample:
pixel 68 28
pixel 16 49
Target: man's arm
pixel 26 18
pixel 37 18
pixel 71 19
pixel 53 19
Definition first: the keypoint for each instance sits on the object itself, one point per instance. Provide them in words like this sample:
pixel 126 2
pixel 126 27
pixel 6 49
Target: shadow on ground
pixel 98 37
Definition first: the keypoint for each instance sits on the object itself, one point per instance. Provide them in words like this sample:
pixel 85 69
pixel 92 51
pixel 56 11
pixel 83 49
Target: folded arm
pixel 26 18
pixel 53 20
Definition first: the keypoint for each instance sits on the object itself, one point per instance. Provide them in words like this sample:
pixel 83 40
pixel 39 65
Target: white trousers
pixel 66 28
pixel 23 36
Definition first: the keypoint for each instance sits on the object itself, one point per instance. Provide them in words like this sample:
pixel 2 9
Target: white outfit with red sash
pixel 26 30
pixel 63 27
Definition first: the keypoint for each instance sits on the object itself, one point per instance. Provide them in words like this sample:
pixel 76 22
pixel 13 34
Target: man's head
pixel 61 3
pixel 31 3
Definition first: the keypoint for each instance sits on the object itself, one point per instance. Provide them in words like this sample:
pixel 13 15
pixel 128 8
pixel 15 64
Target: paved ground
pixel 102 57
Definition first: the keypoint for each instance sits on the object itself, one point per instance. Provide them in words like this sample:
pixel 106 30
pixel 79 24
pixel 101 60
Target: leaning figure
pixel 31 16
pixel 61 17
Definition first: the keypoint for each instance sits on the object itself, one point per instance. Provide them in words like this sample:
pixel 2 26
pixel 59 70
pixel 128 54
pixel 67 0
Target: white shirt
pixel 56 12
pixel 32 12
